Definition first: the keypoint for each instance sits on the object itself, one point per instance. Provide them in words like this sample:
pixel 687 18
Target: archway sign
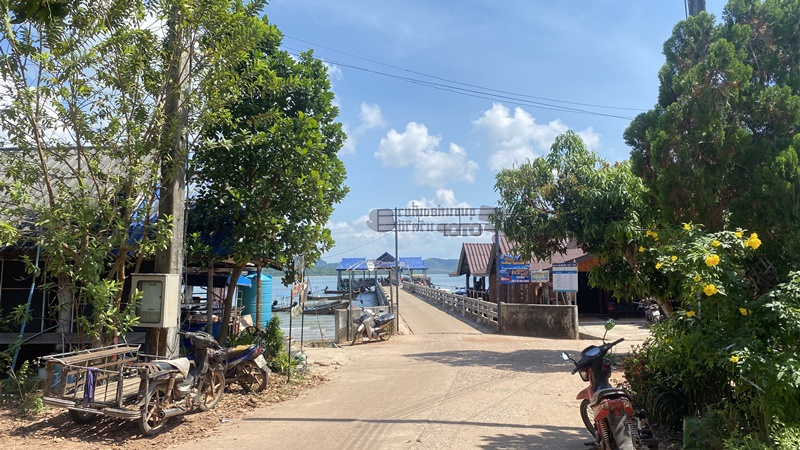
pixel 461 222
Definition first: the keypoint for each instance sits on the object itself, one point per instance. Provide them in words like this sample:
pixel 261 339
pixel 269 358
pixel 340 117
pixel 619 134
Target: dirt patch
pixel 54 427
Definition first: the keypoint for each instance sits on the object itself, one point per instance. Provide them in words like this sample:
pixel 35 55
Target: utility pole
pixel 695 7
pixel 164 341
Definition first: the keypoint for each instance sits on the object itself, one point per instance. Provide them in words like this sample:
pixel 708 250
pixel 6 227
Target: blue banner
pixel 513 270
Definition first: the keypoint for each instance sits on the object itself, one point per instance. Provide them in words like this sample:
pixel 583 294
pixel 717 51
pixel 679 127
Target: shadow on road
pixel 546 361
pixel 546 438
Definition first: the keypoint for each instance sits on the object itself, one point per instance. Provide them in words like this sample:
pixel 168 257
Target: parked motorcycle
pixel 246 365
pixel 653 313
pixel 371 327
pixel 176 386
pixel 607 411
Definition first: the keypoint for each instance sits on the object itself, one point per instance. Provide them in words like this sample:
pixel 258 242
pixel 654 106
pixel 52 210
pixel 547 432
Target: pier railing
pixel 478 310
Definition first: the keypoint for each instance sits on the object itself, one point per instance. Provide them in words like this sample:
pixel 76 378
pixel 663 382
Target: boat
pixel 326 308
pixel 332 297
pixel 282 308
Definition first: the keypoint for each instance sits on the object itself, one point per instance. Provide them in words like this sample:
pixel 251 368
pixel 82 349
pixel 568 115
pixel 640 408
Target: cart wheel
pixel 81 417
pixel 251 378
pixel 151 422
pixel 212 389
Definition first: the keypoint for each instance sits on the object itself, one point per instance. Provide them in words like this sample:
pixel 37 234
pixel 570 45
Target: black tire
pixel 356 337
pixel 82 417
pixel 618 426
pixel 151 422
pixel 251 378
pixel 588 417
pixel 388 332
pixel 211 389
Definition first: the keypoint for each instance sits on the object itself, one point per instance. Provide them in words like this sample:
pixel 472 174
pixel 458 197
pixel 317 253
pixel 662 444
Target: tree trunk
pixel 65 305
pixel 226 316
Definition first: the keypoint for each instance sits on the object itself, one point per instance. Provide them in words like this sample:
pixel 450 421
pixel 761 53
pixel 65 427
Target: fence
pixel 478 310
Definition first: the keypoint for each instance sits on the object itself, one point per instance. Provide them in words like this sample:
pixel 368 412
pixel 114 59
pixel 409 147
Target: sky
pixel 437 96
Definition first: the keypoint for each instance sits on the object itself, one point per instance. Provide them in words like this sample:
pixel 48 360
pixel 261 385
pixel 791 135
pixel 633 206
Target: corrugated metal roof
pixel 474 259
pixel 412 263
pixel 352 263
pixel 573 253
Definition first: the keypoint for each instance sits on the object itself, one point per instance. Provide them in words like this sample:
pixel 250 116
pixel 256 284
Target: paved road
pixel 443 384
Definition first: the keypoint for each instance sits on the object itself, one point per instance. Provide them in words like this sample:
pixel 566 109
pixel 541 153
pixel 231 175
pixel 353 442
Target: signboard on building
pixel 565 277
pixel 540 276
pixel 513 270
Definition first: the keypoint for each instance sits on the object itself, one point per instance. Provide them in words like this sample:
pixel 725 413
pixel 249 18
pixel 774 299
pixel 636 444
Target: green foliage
pixel 721 145
pixel 272 340
pixel 572 195
pixel 730 354
pixel 266 167
pixel 25 388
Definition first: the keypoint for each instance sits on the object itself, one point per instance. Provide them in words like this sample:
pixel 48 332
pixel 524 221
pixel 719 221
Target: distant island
pixel 323 268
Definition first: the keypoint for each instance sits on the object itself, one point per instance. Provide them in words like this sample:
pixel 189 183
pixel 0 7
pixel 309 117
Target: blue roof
pixel 412 263
pixel 352 264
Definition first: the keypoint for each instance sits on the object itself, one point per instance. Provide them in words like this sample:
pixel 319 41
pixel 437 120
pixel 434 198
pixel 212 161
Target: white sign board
pixel 565 277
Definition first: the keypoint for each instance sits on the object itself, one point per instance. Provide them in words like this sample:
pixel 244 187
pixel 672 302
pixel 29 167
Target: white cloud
pixel 334 72
pixel 415 147
pixel 371 118
pixel 518 137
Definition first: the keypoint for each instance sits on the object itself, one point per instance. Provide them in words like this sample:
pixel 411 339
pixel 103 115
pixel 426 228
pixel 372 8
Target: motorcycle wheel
pixel 212 389
pixel 621 431
pixel 389 331
pixel 588 417
pixel 151 422
pixel 251 378
pixel 356 337
pixel 81 417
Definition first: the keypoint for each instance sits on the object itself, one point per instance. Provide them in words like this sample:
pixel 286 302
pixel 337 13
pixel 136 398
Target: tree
pixel 83 109
pixel 266 168
pixel 573 195
pixel 721 145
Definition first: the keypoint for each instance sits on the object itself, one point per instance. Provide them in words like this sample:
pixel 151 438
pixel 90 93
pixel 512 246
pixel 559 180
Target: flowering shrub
pixel 731 347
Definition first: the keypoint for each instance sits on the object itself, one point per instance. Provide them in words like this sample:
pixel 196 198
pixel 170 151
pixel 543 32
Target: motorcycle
pixel 606 411
pixel 653 312
pixel 246 365
pixel 371 327
pixel 176 386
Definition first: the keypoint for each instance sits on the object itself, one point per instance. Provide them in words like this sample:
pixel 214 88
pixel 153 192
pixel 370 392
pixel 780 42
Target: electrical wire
pixel 458 83
pixel 355 248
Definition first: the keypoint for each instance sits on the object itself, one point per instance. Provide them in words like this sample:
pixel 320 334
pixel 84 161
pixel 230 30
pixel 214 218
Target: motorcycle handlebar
pixel 615 342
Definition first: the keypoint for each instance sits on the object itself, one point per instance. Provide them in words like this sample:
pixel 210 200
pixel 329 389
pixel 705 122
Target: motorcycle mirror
pixel 564 356
pixel 610 324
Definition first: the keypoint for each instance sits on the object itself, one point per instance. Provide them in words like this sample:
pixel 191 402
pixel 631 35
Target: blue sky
pixel 410 143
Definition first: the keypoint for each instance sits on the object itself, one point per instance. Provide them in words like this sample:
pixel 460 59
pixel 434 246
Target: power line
pixel 469 92
pixel 482 88
pixel 355 248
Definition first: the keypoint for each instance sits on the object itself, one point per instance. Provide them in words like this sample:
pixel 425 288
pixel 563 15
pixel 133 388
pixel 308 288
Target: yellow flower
pixel 753 242
pixel 738 234
pixel 659 265
pixel 697 278
pixel 715 243
pixel 673 257
pixel 649 233
pixel 734 359
pixel 687 226
pixel 655 235
pixel 712 260
pixel 754 236
pixel 743 311
pixel 641 249
pixel 666 341
pixel 689 313
pixel 710 289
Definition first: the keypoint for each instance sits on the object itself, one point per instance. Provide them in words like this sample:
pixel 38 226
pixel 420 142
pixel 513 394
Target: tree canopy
pixel 266 168
pixel 720 147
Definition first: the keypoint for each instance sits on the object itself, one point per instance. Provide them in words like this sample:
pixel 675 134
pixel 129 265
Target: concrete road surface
pixel 442 384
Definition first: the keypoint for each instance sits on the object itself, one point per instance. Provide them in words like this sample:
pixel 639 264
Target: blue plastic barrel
pixel 249 300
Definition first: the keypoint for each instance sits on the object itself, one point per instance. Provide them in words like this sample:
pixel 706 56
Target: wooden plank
pixel 97 354
pixel 55 338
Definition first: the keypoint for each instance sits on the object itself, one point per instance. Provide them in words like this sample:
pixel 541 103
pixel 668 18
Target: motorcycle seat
pixel 607 392
pixel 238 350
pixel 179 364
pixel 384 318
